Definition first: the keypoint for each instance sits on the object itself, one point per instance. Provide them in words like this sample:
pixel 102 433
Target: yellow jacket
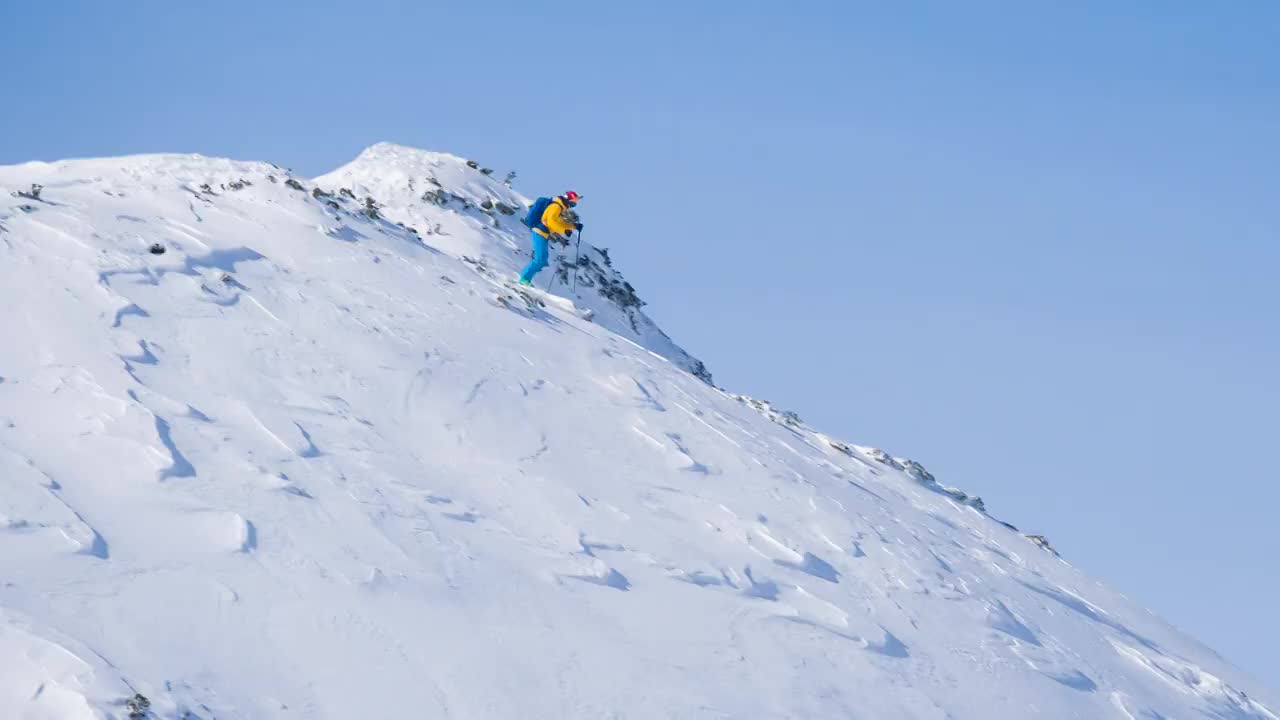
pixel 551 218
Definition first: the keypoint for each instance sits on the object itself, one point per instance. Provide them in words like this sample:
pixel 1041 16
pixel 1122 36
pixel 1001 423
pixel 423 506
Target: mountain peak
pixel 274 447
pixel 395 152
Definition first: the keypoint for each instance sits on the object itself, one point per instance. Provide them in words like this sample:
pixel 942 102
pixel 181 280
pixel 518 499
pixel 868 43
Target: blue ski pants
pixel 539 260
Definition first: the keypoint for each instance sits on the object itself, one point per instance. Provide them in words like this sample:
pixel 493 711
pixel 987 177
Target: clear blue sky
pixel 1034 245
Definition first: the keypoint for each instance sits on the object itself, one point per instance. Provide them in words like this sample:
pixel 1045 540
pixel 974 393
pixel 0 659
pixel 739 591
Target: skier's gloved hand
pixel 578 226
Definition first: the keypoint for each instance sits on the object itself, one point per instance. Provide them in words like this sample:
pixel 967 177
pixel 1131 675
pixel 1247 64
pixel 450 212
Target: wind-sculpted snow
pixel 303 465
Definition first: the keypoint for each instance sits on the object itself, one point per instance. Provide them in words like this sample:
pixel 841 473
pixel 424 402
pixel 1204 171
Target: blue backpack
pixel 534 218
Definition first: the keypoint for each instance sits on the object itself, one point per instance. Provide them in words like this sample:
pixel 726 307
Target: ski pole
pixel 552 281
pixel 576 249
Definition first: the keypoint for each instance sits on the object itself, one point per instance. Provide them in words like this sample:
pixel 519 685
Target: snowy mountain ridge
pixel 276 447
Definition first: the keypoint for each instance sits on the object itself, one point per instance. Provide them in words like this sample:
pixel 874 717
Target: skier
pixel 547 216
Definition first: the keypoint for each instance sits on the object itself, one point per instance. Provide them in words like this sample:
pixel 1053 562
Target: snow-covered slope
pixel 303 464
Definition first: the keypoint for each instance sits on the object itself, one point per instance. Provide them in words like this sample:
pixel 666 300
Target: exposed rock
pixel 138 706
pixel 32 194
pixel 1043 543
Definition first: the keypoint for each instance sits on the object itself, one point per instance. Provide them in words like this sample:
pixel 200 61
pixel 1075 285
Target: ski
pixel 525 298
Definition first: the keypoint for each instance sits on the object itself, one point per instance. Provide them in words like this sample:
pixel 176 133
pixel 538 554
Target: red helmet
pixel 572 196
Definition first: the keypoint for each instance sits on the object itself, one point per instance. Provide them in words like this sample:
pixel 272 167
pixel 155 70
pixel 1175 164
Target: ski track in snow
pixel 302 465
